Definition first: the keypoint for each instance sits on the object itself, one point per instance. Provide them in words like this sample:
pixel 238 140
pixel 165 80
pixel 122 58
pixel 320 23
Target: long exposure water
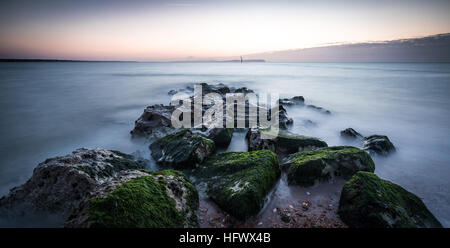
pixel 50 109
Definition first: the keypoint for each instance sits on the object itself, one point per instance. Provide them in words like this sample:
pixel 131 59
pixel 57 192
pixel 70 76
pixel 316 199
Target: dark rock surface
pixel 182 149
pixel 283 142
pixel 307 168
pixel 378 144
pixel 81 190
pixel 239 182
pixel 350 133
pixel 155 119
pixel 370 202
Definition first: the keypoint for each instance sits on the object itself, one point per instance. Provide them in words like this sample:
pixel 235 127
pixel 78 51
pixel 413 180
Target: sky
pixel 198 30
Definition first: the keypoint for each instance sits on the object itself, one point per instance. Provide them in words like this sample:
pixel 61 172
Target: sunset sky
pixel 184 30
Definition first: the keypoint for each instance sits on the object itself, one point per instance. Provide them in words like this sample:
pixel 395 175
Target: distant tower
pixel 241 59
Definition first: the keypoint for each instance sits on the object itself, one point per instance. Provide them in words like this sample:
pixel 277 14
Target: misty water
pixel 50 109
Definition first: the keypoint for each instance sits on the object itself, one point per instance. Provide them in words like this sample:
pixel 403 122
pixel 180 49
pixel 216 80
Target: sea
pixel 49 109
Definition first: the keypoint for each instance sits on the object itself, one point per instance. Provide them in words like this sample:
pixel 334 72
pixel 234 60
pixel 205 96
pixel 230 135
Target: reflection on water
pixel 50 109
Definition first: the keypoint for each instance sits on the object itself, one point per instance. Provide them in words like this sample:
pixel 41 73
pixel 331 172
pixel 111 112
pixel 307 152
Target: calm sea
pixel 50 109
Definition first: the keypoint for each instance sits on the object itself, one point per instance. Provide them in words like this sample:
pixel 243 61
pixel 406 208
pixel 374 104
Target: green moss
pixel 143 202
pixel 179 149
pixel 368 201
pixel 240 181
pixel 305 168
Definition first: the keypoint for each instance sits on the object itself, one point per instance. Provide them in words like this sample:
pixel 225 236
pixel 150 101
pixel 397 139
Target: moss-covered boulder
pixel 239 182
pixel 307 168
pixel 182 149
pixel 378 144
pixel 283 142
pixel 368 201
pixel 141 199
pixel 59 185
pixel 221 136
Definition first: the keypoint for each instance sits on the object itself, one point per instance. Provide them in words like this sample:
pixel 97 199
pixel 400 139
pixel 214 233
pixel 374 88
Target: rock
pixel 160 199
pixel 182 149
pixel 309 123
pixel 221 89
pixel 60 184
pixel 284 142
pixel 103 188
pixel 172 92
pixel 378 144
pixel 156 118
pixel 243 90
pixel 350 133
pixel 319 109
pixel 370 202
pixel 221 136
pixel 284 120
pixel 296 100
pixel 239 182
pixel 324 164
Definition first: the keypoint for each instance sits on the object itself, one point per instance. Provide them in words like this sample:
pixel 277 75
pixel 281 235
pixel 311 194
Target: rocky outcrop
pixel 155 121
pixel 285 121
pixel 370 202
pixel 140 199
pixel 378 144
pixel 239 182
pixel 374 144
pixel 307 168
pixel 296 100
pixel 87 188
pixel 283 142
pixel 350 133
pixel 221 136
pixel 182 149
pixel 319 109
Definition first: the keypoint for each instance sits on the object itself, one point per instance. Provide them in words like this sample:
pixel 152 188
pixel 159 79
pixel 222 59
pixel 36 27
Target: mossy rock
pixel 308 167
pixel 222 136
pixel 281 142
pixel 378 144
pixel 368 201
pixel 239 182
pixel 156 200
pixel 182 149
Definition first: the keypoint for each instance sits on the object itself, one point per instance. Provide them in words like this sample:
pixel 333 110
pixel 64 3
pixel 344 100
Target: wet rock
pixel 350 133
pixel 182 149
pixel 140 199
pixel 156 118
pixel 221 89
pixel 368 201
pixel 285 217
pixel 319 109
pixel 221 136
pixel 378 144
pixel 239 182
pixel 284 120
pixel 172 92
pixel 243 90
pixel 307 168
pixel 296 100
pixel 60 185
pixel 284 142
pixel 309 123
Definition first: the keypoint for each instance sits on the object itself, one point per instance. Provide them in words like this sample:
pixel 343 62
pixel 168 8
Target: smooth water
pixel 50 109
